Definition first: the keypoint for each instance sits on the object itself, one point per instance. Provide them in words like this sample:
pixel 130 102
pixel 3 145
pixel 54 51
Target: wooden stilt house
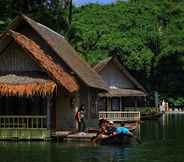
pixel 125 92
pixel 43 81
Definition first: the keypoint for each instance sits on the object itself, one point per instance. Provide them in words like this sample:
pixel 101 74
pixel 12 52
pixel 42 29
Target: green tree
pixel 147 35
pixel 56 14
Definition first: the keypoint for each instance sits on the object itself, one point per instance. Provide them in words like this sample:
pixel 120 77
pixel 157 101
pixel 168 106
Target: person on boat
pixel 111 128
pixel 103 131
pixel 123 130
pixel 103 127
pixel 102 122
pixel 79 117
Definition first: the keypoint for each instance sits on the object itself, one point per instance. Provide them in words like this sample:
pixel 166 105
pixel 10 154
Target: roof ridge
pixel 101 64
pixel 66 52
pixel 26 17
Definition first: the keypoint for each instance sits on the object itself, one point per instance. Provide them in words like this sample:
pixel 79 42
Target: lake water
pixel 162 141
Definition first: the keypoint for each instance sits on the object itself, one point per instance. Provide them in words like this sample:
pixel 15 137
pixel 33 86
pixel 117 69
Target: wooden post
pixel 120 102
pixel 135 101
pixel 156 97
pixel 109 108
pixel 88 103
pixel 48 113
pixel 76 106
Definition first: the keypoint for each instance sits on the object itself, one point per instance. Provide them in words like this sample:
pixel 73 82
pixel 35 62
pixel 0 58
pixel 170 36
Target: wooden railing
pixel 120 115
pixel 23 122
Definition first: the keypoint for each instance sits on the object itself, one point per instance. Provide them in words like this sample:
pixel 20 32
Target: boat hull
pixel 118 140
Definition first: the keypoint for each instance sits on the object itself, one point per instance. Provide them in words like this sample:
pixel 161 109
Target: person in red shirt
pixel 80 118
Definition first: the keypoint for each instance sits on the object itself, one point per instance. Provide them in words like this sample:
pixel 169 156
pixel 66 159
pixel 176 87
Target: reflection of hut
pixel 124 89
pixel 42 81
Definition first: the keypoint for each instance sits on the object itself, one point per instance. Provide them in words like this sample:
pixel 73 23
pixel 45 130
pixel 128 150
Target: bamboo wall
pixel 65 111
pixel 114 77
pixel 14 59
pixel 68 104
pixel 88 97
pixel 30 33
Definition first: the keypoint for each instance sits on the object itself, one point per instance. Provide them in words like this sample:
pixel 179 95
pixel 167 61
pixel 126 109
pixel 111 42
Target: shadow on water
pixel 57 152
pixel 162 142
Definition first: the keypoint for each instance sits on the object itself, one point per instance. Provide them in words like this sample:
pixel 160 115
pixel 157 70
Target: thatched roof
pixel 46 62
pixel 138 91
pixel 65 51
pixel 14 85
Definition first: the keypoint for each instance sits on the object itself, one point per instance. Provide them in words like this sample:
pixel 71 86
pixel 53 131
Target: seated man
pixel 111 128
pixel 102 133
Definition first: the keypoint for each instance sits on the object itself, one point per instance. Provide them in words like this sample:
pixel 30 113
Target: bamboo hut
pixel 125 92
pixel 43 81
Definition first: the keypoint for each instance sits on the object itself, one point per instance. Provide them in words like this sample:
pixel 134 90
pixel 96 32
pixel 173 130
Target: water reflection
pixel 53 152
pixel 170 126
pixel 162 142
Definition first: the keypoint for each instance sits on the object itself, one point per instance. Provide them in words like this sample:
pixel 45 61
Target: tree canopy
pixel 52 13
pixel 147 35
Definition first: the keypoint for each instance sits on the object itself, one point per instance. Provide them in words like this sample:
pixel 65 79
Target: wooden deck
pixel 35 128
pixel 61 136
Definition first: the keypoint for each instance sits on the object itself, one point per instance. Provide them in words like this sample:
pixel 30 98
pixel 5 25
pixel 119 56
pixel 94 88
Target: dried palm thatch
pixel 46 62
pixel 13 85
pixel 62 48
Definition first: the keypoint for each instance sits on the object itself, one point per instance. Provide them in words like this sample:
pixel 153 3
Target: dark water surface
pixel 163 141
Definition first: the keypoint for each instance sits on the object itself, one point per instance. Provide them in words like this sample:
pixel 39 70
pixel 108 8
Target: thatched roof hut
pixel 53 54
pixel 43 81
pixel 10 87
pixel 65 51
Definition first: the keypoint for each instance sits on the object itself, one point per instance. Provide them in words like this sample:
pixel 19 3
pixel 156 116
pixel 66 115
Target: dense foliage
pixel 147 35
pixel 53 13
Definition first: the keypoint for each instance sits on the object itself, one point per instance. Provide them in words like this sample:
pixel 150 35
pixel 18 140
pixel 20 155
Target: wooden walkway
pixel 61 136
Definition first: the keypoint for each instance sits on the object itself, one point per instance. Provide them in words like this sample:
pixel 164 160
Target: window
pixel 115 104
pixel 102 104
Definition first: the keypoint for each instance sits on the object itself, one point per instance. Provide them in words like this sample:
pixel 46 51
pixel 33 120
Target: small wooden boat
pixel 131 126
pixel 151 116
pixel 118 140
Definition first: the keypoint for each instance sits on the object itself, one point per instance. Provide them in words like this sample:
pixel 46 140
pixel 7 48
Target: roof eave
pixel 69 88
